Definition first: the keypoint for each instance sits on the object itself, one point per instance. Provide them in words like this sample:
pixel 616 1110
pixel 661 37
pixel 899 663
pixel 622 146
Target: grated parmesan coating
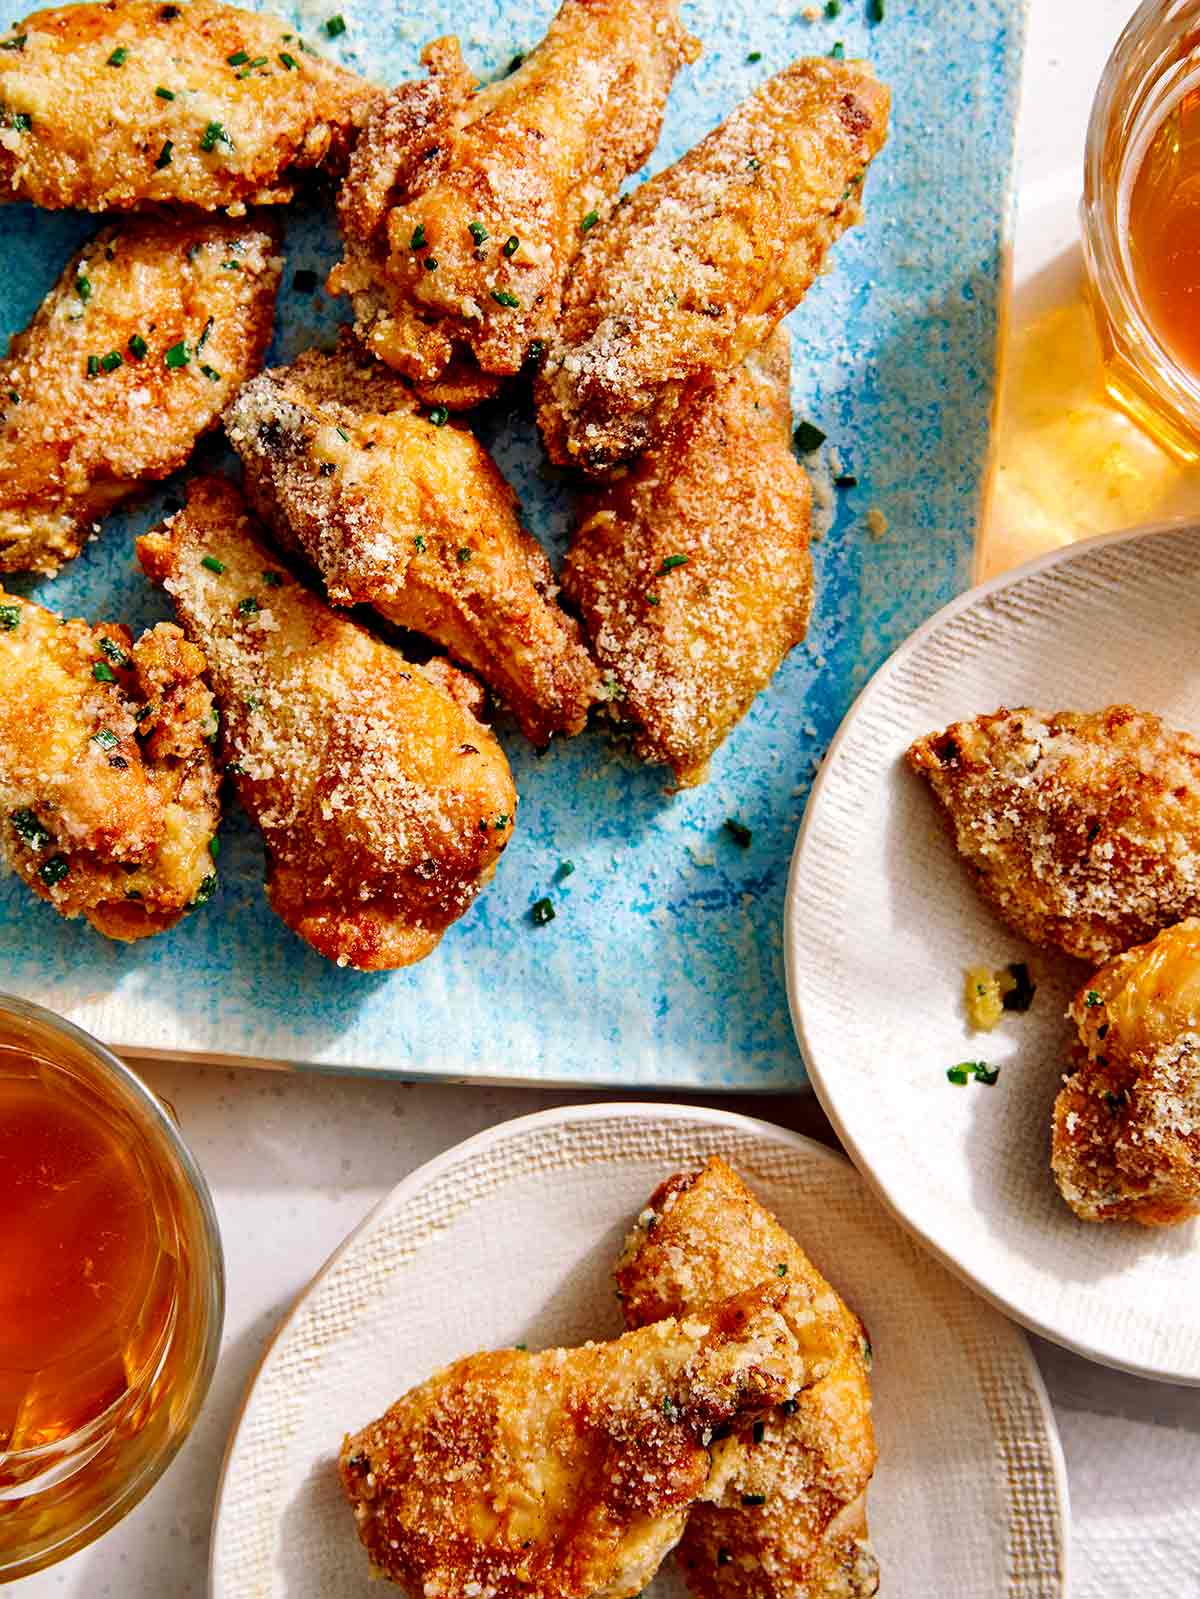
pixel 805 1469
pixel 75 442
pixel 696 267
pixel 463 170
pixel 688 643
pixel 384 804
pixel 1126 1141
pixel 80 129
pixel 568 1473
pixel 414 519
pixel 1081 828
pixel 108 788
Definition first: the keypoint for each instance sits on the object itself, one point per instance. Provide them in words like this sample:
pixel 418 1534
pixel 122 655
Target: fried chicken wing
pixel 128 360
pixel 383 803
pixel 108 789
pixel 786 1514
pixel 1081 828
pixel 414 519
pixel 108 106
pixel 705 259
pixel 692 570
pixel 464 207
pixel 1126 1144
pixel 567 1473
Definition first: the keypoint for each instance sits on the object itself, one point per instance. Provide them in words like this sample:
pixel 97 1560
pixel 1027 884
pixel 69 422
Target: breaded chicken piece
pixel 130 358
pixel 464 210
pixel 1126 1143
pixel 1082 828
pixel 125 103
pixel 705 259
pixel 108 789
pixel 413 518
pixel 692 571
pixel 383 803
pixel 568 1473
pixel 787 1518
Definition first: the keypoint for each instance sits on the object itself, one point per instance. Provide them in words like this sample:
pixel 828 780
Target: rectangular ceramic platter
pixel 663 966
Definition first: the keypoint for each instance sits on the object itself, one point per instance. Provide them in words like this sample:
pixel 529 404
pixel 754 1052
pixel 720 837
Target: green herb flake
pixel 517 61
pixel 15 43
pixel 669 1408
pixel 252 66
pixel 115 654
pixel 503 297
pixel 54 870
pixel 875 10
pixel 93 366
pixel 119 57
pixel 288 62
pixel 789 1407
pixel 211 373
pixel 419 239
pixel 335 26
pixel 542 911
pixel 652 599
pixel 431 263
pixel 177 356
pixel 833 9
pixel 106 738
pixel 29 830
pixel 213 135
pixel 14 397
pixel 501 822
pixel 137 346
pixel 958 1074
pixel 754 1499
pixel 10 618
pixel 249 606
pixel 808 437
pixel 753 57
pixel 565 870
pixel 231 266
pixel 212 564
pixel 238 58
pixel 511 245
pixel 164 94
pixel 439 416
pixel 759 1431
pixel 738 832
pixel 536 347
pixel 214 846
pixel 464 554
pixel 588 222
pixel 979 1069
pixel 203 339
pixel 273 580
pixel 838 53
pixel 477 231
pixel 723 1557
pixel 781 1268
pixel 205 892
pixel 670 562
pixel 112 360
pixel 83 288
pixel 1092 999
pixel 164 156
pixel 419 543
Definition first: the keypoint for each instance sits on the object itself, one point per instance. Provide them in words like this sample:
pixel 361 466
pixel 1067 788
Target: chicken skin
pixel 1081 828
pixel 568 1473
pixel 132 356
pixel 789 1520
pixel 1126 1144
pixel 690 609
pixel 705 259
pixel 108 789
pixel 464 207
pixel 414 519
pixel 126 103
pixel 384 804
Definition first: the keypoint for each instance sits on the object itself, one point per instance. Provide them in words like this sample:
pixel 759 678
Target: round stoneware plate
pixel 882 920
pixel 510 1238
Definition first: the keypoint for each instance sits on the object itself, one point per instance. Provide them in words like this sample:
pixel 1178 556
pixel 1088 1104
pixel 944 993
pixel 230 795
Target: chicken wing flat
pixel 1126 1143
pixel 567 1473
pixel 128 360
pixel 465 207
pixel 383 803
pixel 696 270
pixel 125 103
pixel 108 789
pixel 414 519
pixel 692 570
pixel 786 1517
pixel 1081 828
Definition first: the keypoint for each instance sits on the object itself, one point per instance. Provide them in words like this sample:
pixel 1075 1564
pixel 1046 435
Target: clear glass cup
pixel 1155 62
pixel 85 1438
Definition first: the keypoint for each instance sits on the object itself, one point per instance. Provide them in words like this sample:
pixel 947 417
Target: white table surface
pixel 295 1162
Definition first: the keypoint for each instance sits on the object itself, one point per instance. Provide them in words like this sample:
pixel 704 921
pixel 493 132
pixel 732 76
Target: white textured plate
pixel 882 920
pixel 510 1238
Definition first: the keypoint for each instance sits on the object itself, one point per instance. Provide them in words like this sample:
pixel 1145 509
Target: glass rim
pixel 211 1275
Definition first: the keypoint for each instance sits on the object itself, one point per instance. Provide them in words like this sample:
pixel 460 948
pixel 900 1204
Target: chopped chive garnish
pixel 16 43
pixel 252 66
pixel 1092 999
pixel 588 222
pixel 103 672
pixel 211 563
pixel 231 266
pixel 343 435
pixel 652 599
pixel 439 416
pixel 1020 996
pixel 304 281
pixel 418 240
pixel 238 58
pixel 517 60
pixel 754 1499
pixel 83 287
pixel 789 1407
pixel 215 134
pixel 535 350
pixel 29 830
pixel 164 94
pixel 334 26
pixel 419 543
pixel 542 911
pixel 54 870
pixel 327 468
pixel 845 480
pixel 808 437
pixel 759 1431
pixel 477 231
pixel 14 396
pixel 273 580
pixel 565 869
pixel 431 263
pixel 742 837
pixel 214 846
pixel 755 55
pixel 137 346
pixel 112 360
pixel 10 618
pixel 211 373
pixel 669 1408
pixel 464 554
pixel 106 738
pixel 115 654
pixel 249 606
pixel 288 61
pixel 723 1557
pixel 93 366
pixel 833 8
pixel 670 562
pixel 205 891
pixel 512 244
pixel 503 297
pixel 838 53
pixel 501 822
pixel 164 156
pixel 178 355
pixel 21 121
pixel 979 1069
pixel 119 57
pixel 875 10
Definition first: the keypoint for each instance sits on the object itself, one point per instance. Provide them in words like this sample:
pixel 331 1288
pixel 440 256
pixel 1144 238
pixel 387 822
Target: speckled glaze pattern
pixel 663 965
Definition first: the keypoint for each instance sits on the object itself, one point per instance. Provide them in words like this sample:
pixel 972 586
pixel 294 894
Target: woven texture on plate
pixel 513 1239
pixel 881 909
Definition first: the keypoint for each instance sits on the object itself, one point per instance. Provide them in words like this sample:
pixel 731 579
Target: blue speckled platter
pixel 663 966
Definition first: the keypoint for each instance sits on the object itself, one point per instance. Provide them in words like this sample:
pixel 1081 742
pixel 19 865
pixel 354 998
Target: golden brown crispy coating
pixel 414 519
pixel 83 124
pixel 97 409
pixel 498 188
pixel 705 259
pixel 566 1473
pixel 383 803
pixel 785 1516
pixel 1127 1122
pixel 692 572
pixel 1081 828
pixel 108 790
